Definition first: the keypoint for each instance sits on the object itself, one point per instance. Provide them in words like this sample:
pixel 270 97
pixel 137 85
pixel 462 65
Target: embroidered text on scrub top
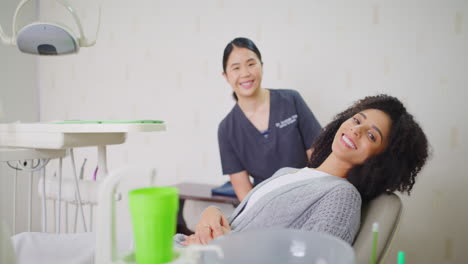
pixel 287 121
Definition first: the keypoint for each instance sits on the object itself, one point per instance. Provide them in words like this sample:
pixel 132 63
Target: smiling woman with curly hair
pixel 373 147
pixel 396 167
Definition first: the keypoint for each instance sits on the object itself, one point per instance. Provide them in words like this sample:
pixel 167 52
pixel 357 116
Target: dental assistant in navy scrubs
pixel 267 129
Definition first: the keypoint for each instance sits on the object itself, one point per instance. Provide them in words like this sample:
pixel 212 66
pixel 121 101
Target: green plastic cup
pixel 154 213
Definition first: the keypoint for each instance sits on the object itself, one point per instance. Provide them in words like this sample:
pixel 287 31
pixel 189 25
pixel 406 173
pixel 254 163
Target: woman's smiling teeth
pixel 348 142
pixel 247 84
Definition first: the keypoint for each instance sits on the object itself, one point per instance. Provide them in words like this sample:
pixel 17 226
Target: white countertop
pixel 62 136
pixel 79 128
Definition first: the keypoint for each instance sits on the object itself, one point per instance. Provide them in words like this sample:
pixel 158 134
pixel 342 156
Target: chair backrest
pixel 386 211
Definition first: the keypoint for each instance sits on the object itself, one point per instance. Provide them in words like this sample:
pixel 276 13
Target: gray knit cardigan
pixel 327 204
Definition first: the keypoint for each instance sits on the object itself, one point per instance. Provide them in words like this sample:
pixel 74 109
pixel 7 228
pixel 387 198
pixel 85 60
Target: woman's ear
pixel 224 75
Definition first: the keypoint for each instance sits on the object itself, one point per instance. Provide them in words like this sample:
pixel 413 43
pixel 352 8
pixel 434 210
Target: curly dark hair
pixel 396 167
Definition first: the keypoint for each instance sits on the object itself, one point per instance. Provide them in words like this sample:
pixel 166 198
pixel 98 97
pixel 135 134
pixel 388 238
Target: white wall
pixel 18 101
pixel 162 60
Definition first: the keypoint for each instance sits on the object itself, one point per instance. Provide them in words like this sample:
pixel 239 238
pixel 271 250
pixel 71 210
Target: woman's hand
pixel 191 240
pixel 212 224
pixel 195 239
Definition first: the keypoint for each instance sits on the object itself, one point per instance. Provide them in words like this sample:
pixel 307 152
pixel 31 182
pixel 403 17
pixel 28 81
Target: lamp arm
pixel 84 42
pixel 4 37
pixel 72 11
pixel 13 26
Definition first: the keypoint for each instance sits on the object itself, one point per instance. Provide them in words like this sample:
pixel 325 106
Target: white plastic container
pixel 279 245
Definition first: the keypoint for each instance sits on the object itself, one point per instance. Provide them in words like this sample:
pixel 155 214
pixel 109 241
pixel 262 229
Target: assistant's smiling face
pixel 244 72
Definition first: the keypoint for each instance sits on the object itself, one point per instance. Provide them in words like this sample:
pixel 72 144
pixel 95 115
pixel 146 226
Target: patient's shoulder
pixel 344 192
pixel 284 171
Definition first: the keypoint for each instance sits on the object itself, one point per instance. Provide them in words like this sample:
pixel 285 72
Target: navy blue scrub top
pixel 292 129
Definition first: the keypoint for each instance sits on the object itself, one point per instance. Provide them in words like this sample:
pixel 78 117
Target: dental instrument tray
pixel 73 133
pixel 110 122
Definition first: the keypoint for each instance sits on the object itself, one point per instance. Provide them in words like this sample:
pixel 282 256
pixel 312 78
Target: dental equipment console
pixel 45 38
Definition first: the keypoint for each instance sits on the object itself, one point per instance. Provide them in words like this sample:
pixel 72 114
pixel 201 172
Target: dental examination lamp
pixel 44 38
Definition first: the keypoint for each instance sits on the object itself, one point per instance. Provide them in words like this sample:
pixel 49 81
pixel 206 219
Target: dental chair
pixel 385 210
pixel 100 246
